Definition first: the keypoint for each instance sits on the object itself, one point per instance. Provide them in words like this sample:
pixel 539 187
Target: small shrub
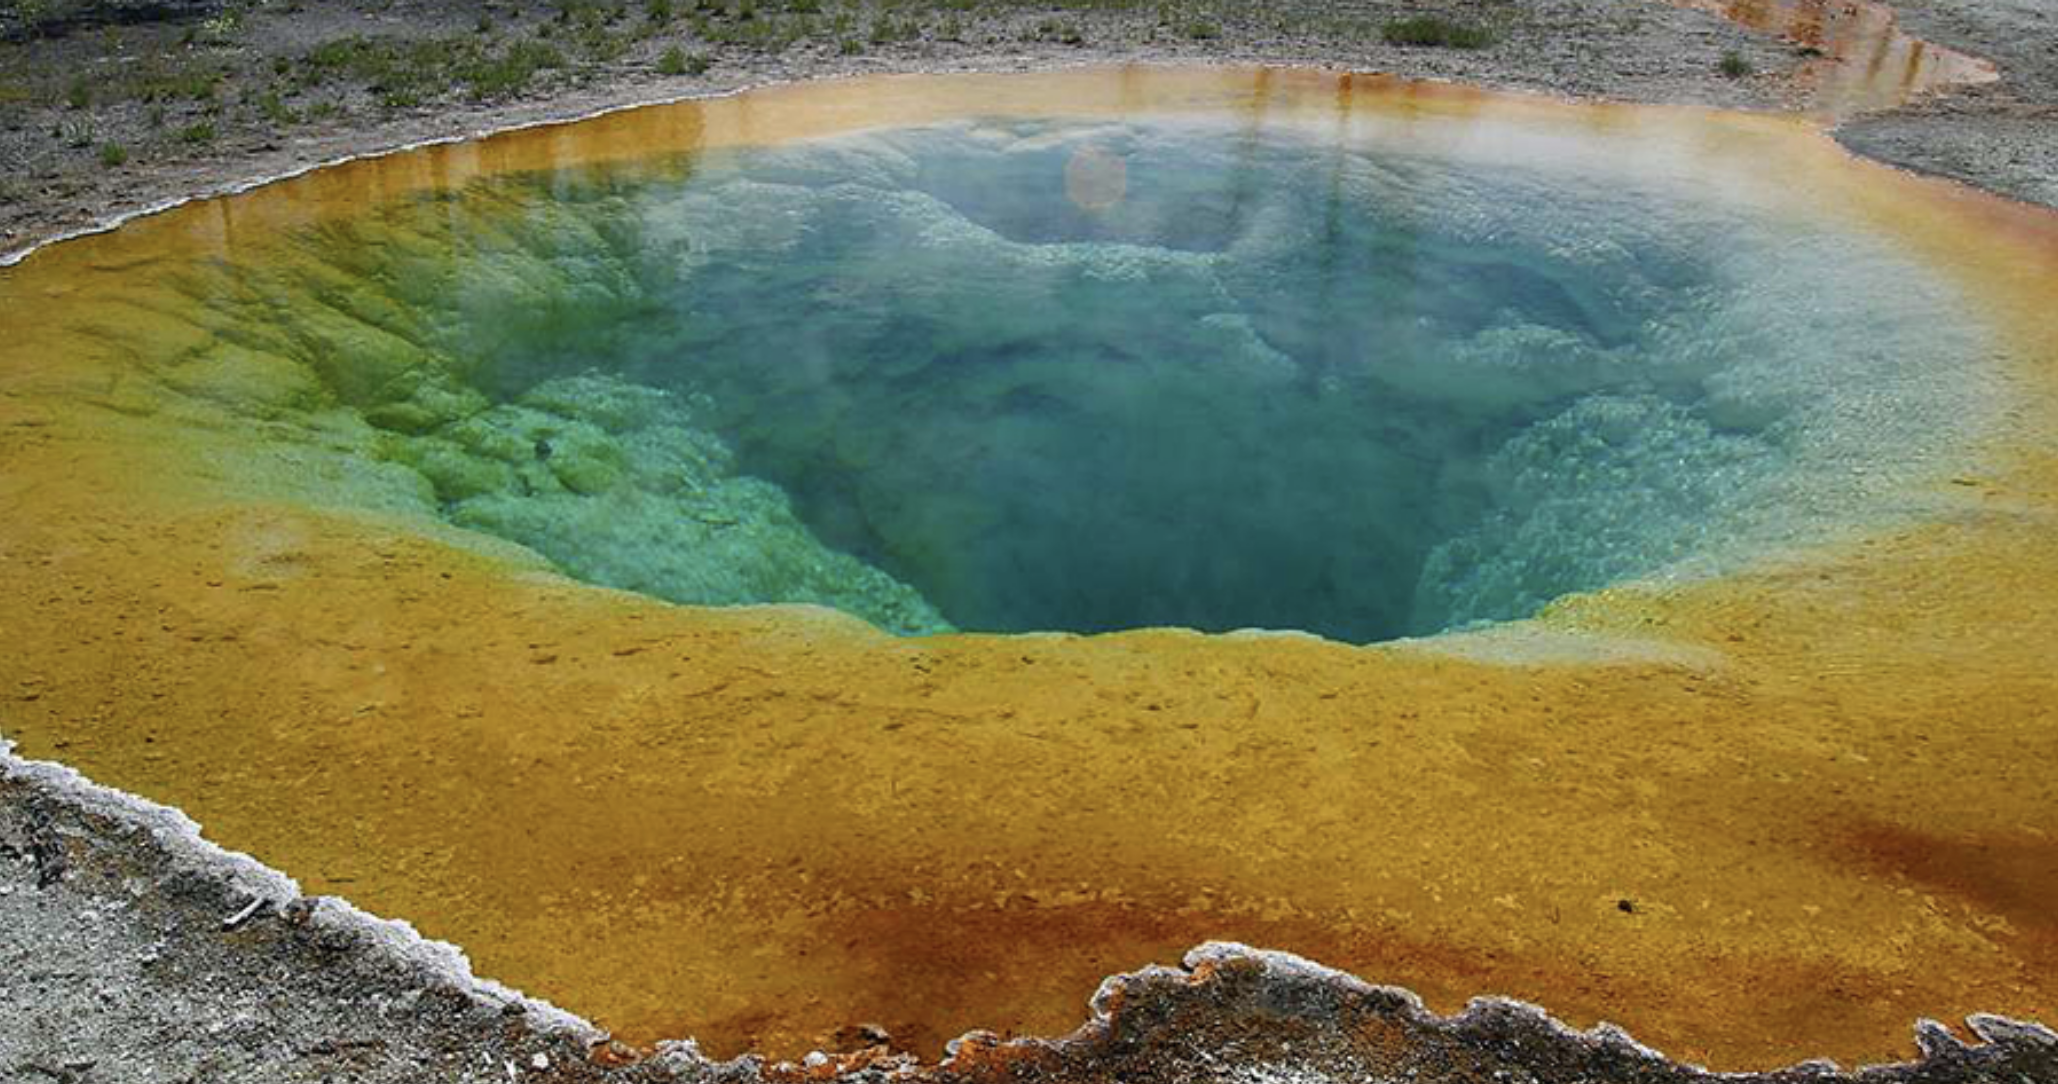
pixel 196 134
pixel 1436 31
pixel 154 82
pixel 1734 65
pixel 512 71
pixel 113 155
pixel 80 94
pixel 29 14
pixel 658 11
pixel 673 62
pixel 222 29
pixel 1203 30
pixel 276 110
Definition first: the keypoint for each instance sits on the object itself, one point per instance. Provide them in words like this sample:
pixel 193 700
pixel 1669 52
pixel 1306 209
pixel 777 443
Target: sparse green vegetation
pixel 31 14
pixel 673 62
pixel 511 72
pixel 887 30
pixel 275 109
pixel 498 50
pixel 1733 65
pixel 157 82
pixel 404 74
pixel 113 155
pixel 1437 31
pixel 1060 31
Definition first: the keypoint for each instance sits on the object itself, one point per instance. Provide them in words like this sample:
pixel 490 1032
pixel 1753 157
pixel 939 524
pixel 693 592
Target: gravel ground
pixel 133 951
pixel 2001 136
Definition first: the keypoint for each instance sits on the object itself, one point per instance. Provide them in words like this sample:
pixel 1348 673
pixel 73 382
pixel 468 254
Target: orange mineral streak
pixel 1859 58
pixel 1776 816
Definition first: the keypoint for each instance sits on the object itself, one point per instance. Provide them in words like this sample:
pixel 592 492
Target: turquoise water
pixel 1094 376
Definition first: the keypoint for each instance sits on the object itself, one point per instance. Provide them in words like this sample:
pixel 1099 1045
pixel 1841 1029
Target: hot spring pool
pixel 1714 466
pixel 1083 375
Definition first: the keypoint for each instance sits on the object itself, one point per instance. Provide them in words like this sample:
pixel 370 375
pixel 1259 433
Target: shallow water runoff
pixel 1031 374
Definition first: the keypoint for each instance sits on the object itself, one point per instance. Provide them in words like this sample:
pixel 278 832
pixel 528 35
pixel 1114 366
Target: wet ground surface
pixel 1997 136
pixel 136 953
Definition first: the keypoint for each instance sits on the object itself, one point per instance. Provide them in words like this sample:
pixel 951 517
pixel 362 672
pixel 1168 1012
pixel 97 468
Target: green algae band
pixel 1090 375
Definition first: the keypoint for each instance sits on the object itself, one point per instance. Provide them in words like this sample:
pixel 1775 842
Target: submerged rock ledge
pixel 167 956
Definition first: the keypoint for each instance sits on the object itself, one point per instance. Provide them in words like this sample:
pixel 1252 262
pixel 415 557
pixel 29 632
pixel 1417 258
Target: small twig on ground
pixel 250 910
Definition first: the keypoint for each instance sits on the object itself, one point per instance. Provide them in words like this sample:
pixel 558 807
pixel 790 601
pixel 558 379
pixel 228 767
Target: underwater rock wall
pixel 617 484
pixel 1273 382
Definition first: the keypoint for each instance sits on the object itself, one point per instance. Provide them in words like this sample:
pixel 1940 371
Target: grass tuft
pixel 675 61
pixel 512 71
pixel 1436 31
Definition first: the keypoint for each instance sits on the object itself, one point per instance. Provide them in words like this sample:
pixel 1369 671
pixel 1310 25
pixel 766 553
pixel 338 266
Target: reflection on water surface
pixel 1860 59
pixel 1277 374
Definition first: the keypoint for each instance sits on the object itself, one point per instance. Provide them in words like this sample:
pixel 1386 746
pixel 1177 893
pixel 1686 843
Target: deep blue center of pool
pixel 1090 377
